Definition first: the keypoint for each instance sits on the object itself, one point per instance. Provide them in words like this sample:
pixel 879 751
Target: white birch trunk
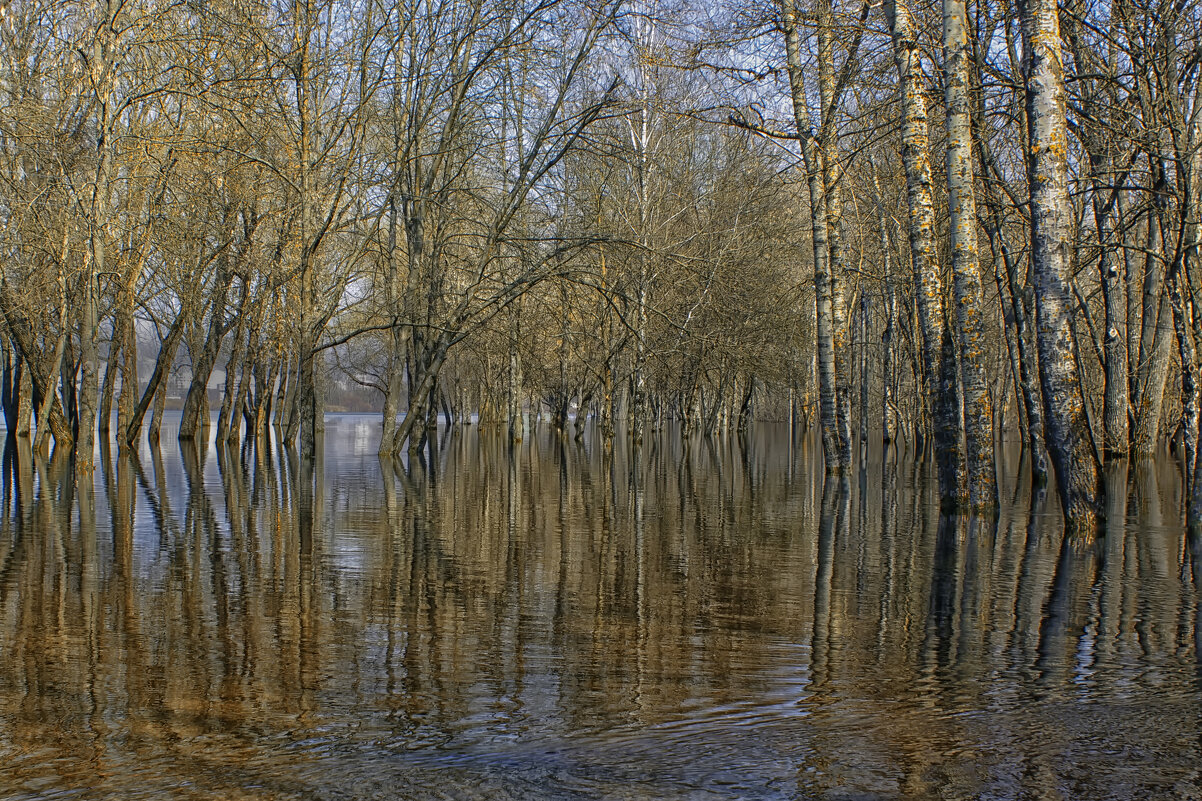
pixel 940 377
pixel 825 313
pixel 978 416
pixel 1068 438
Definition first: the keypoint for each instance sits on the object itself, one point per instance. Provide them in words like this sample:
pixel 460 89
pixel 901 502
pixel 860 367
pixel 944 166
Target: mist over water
pixel 705 618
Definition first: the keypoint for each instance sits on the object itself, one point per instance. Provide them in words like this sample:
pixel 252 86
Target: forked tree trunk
pixel 194 417
pixel 157 387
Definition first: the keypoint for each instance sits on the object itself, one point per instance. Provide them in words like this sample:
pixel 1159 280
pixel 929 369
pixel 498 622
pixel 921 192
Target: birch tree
pixel 1068 435
pixel 820 156
pixel 978 414
pixel 937 354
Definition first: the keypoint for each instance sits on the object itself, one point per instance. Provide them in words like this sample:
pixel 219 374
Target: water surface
pixel 702 619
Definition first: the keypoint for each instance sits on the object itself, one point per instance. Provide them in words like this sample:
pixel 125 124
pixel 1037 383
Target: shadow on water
pixel 694 618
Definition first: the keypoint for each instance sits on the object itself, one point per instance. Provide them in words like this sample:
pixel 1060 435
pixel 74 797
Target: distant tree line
pixel 933 223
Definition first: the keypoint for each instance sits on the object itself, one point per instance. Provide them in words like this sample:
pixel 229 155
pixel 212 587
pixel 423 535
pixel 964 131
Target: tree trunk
pixel 941 398
pixel 196 402
pixel 398 339
pixel 1187 351
pixel 864 372
pixel 513 380
pixel 978 415
pixel 1027 387
pixel 108 386
pixel 131 386
pixel 828 401
pixel 17 405
pixel 10 385
pixel 239 407
pixel 227 415
pixel 415 415
pixel 582 413
pixel 47 423
pixel 283 398
pixel 24 402
pixel 1155 348
pixel 41 378
pixel 1152 375
pixel 1134 309
pixel 89 383
pixel 156 414
pixel 889 423
pixel 158 381
pixel 831 170
pixel 744 420
pixel 392 394
pixel 1116 404
pixel 1068 436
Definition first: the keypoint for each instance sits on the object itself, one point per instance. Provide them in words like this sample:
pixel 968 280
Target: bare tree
pixel 1068 435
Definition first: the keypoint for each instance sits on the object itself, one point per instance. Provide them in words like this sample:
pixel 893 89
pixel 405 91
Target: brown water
pixel 707 620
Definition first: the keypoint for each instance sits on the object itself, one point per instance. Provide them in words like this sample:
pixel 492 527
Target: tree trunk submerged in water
pixel 1068 436
pixel 835 455
pixel 194 417
pixel 941 391
pixel 978 415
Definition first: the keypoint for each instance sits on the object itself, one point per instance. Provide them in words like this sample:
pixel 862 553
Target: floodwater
pixel 707 619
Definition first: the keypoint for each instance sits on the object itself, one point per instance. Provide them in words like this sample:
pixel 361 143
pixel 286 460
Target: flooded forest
pixel 622 399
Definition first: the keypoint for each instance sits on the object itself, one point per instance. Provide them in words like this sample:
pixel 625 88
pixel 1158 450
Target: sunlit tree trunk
pixel 828 142
pixel 10 387
pixel 936 339
pixel 978 416
pixel 1068 436
pixel 24 403
pixel 828 404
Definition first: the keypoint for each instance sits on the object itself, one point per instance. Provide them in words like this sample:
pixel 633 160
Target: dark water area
pixel 706 619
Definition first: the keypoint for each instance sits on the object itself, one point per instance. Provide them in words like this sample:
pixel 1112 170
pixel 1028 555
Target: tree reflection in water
pixel 697 618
